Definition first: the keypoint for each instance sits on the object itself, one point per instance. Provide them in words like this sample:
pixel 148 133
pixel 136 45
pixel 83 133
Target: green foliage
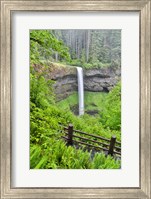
pixel 83 57
pixel 44 45
pixel 104 49
pixel 68 103
pixel 41 91
pixel 92 101
pixel 111 114
pixel 92 64
pixel 58 156
pixel 102 162
pixel 47 149
pixel 75 62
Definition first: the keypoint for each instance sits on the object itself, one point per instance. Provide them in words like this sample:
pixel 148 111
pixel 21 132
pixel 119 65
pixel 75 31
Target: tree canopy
pixel 86 48
pixel 43 45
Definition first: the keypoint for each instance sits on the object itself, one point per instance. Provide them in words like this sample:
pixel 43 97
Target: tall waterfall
pixel 80 90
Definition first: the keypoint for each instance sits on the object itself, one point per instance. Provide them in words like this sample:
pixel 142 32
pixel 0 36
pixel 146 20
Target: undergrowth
pixel 47 149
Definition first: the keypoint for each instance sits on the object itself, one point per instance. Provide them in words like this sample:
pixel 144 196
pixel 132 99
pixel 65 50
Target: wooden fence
pixel 109 146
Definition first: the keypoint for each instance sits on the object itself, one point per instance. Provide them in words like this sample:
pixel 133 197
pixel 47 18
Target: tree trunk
pixel 56 56
pixel 87 44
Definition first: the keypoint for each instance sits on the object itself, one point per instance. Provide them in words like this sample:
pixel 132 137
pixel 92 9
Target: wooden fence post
pixel 112 144
pixel 70 133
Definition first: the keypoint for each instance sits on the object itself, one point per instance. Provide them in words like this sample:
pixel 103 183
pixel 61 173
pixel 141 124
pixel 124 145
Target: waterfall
pixel 80 90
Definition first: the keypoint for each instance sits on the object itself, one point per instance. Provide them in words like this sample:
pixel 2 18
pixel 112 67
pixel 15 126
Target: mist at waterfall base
pixel 80 90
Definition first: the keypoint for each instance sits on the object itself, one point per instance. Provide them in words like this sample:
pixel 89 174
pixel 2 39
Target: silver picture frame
pixel 144 9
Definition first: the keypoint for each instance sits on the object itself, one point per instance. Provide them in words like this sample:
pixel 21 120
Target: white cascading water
pixel 80 90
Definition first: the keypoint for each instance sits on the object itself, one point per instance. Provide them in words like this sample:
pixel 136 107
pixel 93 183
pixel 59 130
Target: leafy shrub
pixel 43 44
pixel 87 65
pixel 58 156
pixel 49 151
pixel 75 62
pixel 102 162
pixel 111 114
pixel 41 91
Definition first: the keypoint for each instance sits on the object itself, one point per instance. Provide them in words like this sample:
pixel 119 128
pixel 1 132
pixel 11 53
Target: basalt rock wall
pixel 101 79
pixel 95 80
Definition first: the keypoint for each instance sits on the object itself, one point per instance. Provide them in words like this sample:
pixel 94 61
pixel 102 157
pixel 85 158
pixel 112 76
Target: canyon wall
pixel 95 80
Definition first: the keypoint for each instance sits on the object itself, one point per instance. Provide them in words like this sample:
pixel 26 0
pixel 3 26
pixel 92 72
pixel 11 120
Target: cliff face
pixel 65 86
pixel 95 80
pixel 65 81
pixel 101 79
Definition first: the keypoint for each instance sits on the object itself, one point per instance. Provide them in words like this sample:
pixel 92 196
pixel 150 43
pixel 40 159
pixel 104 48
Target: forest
pixel 54 102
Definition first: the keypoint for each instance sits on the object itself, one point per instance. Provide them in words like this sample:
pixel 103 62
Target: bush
pixel 75 62
pixel 56 155
pixel 47 149
pixel 41 91
pixel 111 115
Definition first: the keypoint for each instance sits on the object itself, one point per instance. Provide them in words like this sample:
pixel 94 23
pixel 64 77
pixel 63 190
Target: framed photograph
pixel 75 99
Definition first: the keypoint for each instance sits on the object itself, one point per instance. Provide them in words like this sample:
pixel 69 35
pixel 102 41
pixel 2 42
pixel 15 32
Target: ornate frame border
pixel 144 9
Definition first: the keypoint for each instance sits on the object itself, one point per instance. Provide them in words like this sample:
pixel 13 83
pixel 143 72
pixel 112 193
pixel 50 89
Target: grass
pixel 69 102
pixel 94 101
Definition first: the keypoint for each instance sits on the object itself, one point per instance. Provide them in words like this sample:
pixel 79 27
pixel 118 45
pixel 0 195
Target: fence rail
pixel 76 136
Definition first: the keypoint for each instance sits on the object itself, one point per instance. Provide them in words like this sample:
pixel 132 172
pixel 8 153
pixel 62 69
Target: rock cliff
pixel 65 78
pixel 95 80
pixel 101 79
